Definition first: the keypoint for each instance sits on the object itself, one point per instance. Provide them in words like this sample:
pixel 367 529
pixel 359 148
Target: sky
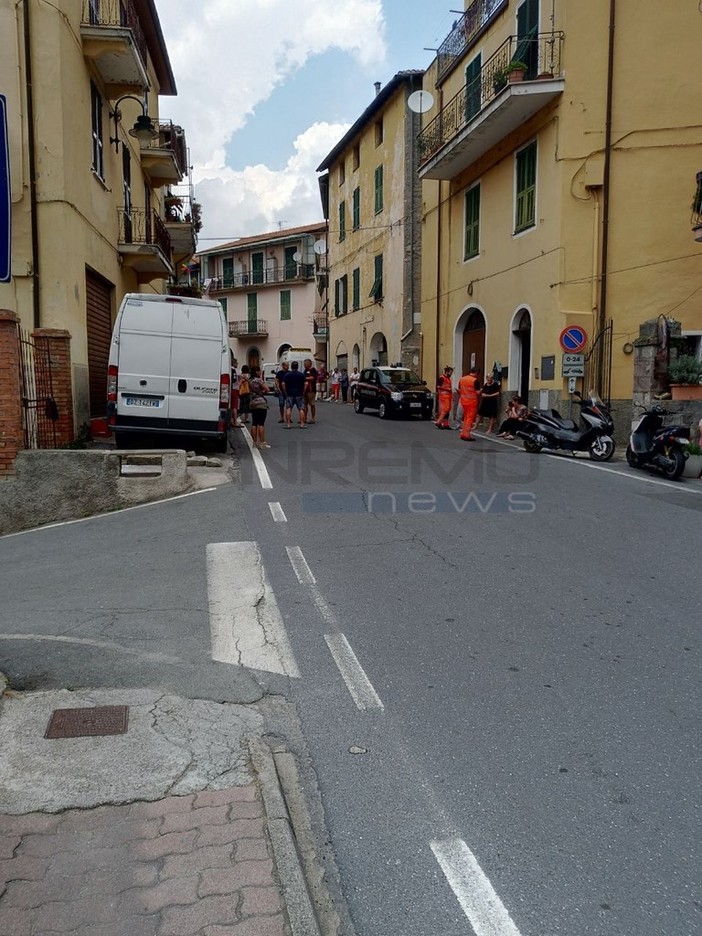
pixel 266 88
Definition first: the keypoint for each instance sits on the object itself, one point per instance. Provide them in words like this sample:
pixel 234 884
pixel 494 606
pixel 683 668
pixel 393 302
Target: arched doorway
pixel 356 356
pixel 379 349
pixel 473 350
pixel 253 357
pixel 282 349
pixel 342 356
pixel 520 364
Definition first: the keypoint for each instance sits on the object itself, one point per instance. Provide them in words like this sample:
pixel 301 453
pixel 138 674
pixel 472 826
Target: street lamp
pixel 143 130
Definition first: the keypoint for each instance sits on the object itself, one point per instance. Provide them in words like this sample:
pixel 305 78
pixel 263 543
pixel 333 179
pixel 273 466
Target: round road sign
pixel 573 339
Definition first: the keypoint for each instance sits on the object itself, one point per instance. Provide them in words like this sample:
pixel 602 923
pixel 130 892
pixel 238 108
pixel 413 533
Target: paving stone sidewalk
pixel 195 865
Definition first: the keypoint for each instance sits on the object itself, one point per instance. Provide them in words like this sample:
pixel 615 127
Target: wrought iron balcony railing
pixel 542 57
pixel 285 274
pixel 120 13
pixel 141 227
pixel 465 31
pixel 320 326
pixel 171 138
pixel 242 329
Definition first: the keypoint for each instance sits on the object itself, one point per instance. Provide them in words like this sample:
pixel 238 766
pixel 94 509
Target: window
pixel 376 293
pixel 252 311
pixel 356 158
pixel 356 209
pixel 127 193
pixel 378 132
pixel 341 296
pixel 257 273
pixel 471 247
pixel 228 272
pixel 356 289
pixel 378 189
pixel 342 221
pixel 223 303
pixel 98 162
pixel 473 87
pixel 525 211
pixel 285 305
pixel 342 173
pixel 290 263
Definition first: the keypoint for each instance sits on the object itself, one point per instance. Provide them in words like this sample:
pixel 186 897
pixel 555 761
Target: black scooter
pixel 653 445
pixel 547 429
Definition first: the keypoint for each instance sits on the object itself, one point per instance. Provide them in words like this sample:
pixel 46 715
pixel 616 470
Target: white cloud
pixel 230 57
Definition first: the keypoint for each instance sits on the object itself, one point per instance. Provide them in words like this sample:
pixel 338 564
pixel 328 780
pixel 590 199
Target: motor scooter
pixel 653 445
pixel 547 429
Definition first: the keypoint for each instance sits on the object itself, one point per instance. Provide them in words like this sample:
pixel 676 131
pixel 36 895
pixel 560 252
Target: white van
pixel 169 369
pixel 297 354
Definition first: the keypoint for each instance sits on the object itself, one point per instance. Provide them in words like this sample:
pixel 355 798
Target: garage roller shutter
pixel 99 328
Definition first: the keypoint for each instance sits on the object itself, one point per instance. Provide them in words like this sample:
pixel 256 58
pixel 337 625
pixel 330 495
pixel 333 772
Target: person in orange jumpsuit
pixel 444 392
pixel 469 395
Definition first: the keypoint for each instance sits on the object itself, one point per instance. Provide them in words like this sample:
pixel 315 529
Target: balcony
pixel 164 161
pixel 492 106
pixel 275 275
pixel 143 244
pixel 114 42
pixel 466 31
pixel 180 224
pixel 320 328
pixel 248 329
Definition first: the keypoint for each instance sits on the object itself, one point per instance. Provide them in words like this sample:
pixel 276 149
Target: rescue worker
pixel 469 395
pixel 444 395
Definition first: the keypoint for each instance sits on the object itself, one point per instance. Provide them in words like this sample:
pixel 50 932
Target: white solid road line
pixel 475 893
pixel 245 621
pixel 358 684
pixel 300 567
pixel 277 512
pixel 259 465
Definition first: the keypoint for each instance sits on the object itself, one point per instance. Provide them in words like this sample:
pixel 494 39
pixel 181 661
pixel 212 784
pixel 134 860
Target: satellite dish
pixel 320 247
pixel 297 256
pixel 420 102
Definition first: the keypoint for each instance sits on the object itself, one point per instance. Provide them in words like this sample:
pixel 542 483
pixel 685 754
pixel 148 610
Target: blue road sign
pixel 573 338
pixel 5 196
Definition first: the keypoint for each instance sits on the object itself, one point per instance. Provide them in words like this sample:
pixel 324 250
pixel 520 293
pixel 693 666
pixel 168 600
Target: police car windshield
pixel 398 375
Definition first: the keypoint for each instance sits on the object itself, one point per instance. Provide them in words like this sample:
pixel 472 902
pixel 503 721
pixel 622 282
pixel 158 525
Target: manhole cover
pixel 88 722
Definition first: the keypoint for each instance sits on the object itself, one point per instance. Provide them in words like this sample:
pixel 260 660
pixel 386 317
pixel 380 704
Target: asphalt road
pixel 498 660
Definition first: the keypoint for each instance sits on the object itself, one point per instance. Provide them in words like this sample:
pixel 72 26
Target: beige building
pixel 557 192
pixel 91 164
pixel 272 288
pixel 372 196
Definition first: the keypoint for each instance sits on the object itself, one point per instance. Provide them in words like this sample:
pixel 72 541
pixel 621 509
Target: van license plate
pixel 415 405
pixel 140 401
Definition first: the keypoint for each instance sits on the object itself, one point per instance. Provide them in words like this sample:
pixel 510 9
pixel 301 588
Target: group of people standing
pixel 343 384
pixel 477 402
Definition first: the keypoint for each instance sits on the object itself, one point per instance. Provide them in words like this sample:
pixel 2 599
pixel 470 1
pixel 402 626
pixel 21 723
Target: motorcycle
pixel 653 445
pixel 547 429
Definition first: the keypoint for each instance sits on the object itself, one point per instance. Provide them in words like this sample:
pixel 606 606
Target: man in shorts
pixel 280 388
pixel 294 383
pixel 310 374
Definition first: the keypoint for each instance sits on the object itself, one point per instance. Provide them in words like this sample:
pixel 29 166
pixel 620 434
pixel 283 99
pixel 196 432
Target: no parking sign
pixel 573 339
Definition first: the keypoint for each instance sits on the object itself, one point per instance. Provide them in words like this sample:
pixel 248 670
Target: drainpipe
pixel 31 153
pixel 606 190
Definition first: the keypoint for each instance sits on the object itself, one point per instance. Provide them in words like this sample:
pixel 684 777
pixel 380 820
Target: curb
pixel 296 895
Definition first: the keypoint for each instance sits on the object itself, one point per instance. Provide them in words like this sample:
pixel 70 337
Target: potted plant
pixel 693 464
pixel 499 79
pixel 685 374
pixel 516 71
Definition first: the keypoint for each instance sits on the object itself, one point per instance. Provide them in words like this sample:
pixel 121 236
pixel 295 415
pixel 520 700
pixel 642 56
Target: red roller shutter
pixel 98 298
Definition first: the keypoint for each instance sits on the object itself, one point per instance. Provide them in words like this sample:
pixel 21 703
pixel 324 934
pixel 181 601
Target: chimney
pixel 377 88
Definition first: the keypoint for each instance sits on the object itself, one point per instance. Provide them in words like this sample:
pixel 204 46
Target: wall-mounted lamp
pixel 143 129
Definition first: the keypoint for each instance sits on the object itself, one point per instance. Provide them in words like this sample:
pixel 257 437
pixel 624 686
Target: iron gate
pixel 39 410
pixel 598 364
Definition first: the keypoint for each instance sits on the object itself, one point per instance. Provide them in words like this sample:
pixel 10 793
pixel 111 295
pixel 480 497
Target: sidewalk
pixel 176 827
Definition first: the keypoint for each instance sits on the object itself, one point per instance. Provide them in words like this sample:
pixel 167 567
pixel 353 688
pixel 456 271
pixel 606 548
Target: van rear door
pixel 144 359
pixel 199 357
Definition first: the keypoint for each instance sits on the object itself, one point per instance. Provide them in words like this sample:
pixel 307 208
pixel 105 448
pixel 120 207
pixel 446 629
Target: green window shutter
pixel 228 272
pixel 223 303
pixel 337 295
pixel 252 310
pixel 378 189
pixel 285 305
pixel 527 48
pixel 342 221
pixel 473 87
pixel 290 263
pixel 525 215
pixel 376 292
pixel 356 288
pixel 472 239
pixel 356 209
pixel 344 295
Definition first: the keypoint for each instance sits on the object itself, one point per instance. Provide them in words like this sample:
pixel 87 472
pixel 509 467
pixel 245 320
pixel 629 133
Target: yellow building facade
pixel 558 169
pixel 371 197
pixel 91 164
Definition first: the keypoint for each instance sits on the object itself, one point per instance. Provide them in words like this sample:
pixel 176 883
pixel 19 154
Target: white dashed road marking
pixel 259 465
pixel 358 684
pixel 475 893
pixel 277 512
pixel 300 567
